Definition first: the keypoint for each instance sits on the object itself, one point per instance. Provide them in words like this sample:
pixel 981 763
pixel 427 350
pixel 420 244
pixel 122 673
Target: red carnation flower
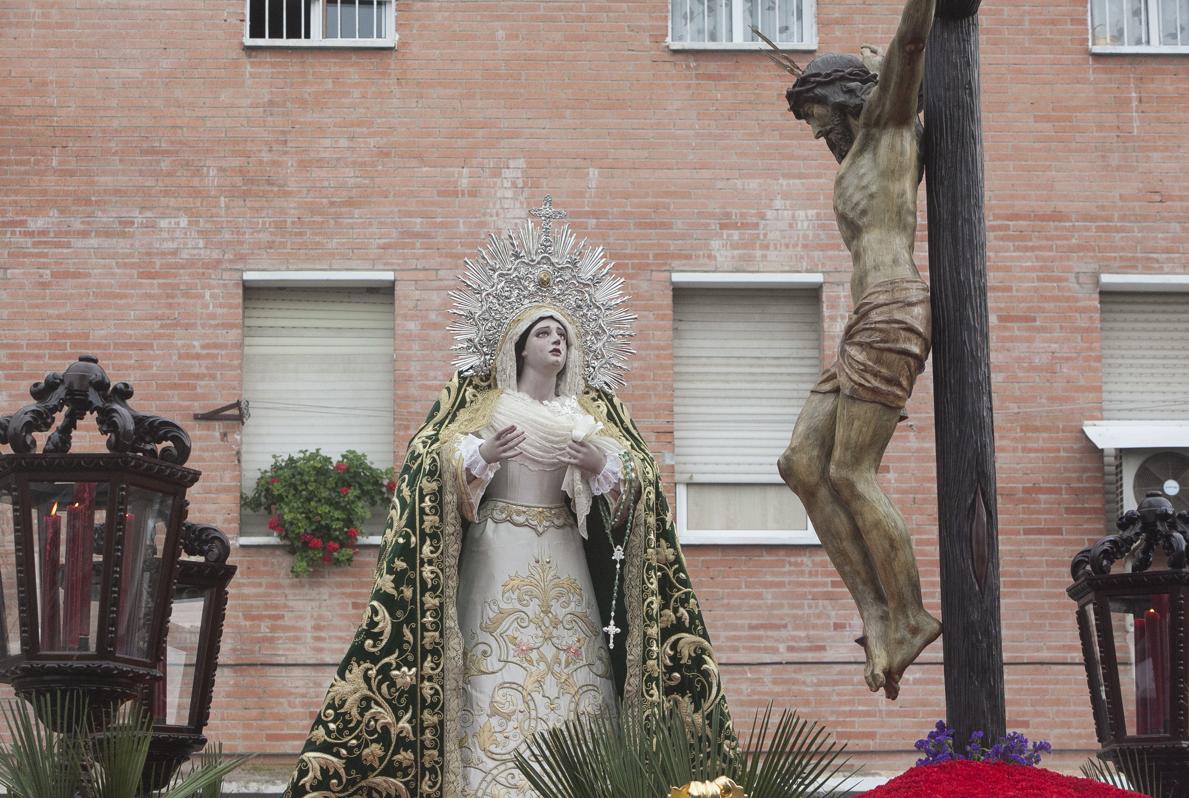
pixel 345 489
pixel 332 547
pixel 352 532
pixel 316 543
pixel 391 486
pixel 340 467
pixel 964 779
pixel 274 480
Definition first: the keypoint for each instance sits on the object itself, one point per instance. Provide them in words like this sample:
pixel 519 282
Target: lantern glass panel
pixel 1094 664
pixel 145 527
pixel 10 630
pixel 174 695
pixel 68 534
pixel 1141 630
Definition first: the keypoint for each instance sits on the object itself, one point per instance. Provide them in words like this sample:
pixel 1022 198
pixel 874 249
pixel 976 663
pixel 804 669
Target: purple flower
pixel 1014 748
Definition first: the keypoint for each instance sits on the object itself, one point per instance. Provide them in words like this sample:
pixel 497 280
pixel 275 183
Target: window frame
pixel 1132 49
pixel 733 537
pixel 809 45
pixel 316 39
pixel 1125 434
pixel 311 279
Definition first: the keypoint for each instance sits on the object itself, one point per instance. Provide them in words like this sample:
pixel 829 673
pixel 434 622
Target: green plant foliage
pixel 600 758
pixel 1132 771
pixel 318 505
pixel 38 763
pixel 84 763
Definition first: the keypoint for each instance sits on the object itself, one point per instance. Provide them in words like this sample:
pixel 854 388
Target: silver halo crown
pixel 533 266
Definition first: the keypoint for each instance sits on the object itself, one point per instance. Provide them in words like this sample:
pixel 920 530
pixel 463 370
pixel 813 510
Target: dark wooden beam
pixel 967 508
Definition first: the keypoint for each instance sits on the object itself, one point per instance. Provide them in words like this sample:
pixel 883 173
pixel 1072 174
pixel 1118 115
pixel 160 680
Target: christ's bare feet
pixel 873 641
pixel 891 648
pixel 905 644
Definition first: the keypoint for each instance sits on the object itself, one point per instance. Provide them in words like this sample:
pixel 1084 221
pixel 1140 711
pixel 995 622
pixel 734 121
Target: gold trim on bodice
pixel 538 519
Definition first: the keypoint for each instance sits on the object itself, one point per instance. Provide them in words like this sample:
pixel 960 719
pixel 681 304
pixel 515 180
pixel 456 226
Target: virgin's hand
pixel 586 456
pixel 505 444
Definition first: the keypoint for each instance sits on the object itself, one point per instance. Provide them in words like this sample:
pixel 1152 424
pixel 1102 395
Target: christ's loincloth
pixel 884 346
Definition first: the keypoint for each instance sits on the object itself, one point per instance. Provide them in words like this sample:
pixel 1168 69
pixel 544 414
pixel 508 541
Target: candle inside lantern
pixel 80 525
pixel 1156 621
pixel 51 545
pixel 1151 667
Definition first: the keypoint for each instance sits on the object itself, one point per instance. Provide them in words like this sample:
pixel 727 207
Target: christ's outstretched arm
pixel 894 101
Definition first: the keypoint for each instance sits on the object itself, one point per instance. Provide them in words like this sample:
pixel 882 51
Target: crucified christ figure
pixel 869 122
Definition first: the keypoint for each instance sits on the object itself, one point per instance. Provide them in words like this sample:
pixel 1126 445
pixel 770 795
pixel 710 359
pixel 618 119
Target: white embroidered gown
pixel 536 655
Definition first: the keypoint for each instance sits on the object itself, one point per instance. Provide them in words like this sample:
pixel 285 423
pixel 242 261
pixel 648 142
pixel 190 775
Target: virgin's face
pixel 546 347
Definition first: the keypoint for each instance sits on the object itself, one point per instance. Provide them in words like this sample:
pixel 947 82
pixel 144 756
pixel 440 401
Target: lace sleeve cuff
pixel 608 479
pixel 473 462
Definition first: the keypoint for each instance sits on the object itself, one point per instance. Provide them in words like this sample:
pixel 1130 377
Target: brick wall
pixel 149 158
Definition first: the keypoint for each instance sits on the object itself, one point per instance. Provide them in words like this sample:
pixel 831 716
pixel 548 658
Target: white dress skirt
pixel 535 652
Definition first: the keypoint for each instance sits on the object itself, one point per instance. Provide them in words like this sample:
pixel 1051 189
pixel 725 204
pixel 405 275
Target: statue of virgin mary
pixel 529 573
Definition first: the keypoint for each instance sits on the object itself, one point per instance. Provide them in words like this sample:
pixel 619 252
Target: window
pixel 1139 25
pixel 1144 434
pixel 727 24
pixel 317 374
pixel 322 23
pixel 745 355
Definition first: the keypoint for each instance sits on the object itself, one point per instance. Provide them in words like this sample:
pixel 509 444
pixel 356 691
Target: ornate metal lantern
pixel 1133 631
pixel 95 541
pixel 180 703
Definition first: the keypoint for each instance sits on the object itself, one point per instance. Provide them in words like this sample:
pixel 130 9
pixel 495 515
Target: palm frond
pixel 599 758
pixel 587 758
pixel 204 778
pixel 119 752
pixel 800 760
pixel 1132 771
pixel 37 762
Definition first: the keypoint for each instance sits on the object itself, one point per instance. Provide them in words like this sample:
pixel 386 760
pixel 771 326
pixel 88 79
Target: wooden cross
pixel 966 493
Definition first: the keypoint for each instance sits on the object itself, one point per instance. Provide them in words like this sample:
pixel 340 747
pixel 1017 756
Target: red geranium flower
pixel 326 558
pixel 332 547
pixel 352 532
pixel 316 543
pixel 306 537
pixel 274 523
pixel 340 467
pixel 345 489
pixel 391 486
pixel 274 480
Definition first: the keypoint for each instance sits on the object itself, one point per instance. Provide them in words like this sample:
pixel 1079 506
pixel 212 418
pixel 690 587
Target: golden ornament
pixel 722 787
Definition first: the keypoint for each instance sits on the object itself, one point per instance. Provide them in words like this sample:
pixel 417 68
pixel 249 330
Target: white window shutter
pixel 1144 338
pixel 744 361
pixel 318 374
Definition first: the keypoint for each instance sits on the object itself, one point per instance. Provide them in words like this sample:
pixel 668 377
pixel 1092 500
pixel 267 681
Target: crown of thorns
pixel 809 83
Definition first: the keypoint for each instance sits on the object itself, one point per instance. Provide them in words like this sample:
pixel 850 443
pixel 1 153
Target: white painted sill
pixel 804 47
pixel 1152 283
pixel 250 541
pixel 765 537
pixel 1119 49
pixel 350 44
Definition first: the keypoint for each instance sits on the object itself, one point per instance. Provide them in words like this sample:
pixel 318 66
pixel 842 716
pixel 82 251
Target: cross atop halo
pixel 547 214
